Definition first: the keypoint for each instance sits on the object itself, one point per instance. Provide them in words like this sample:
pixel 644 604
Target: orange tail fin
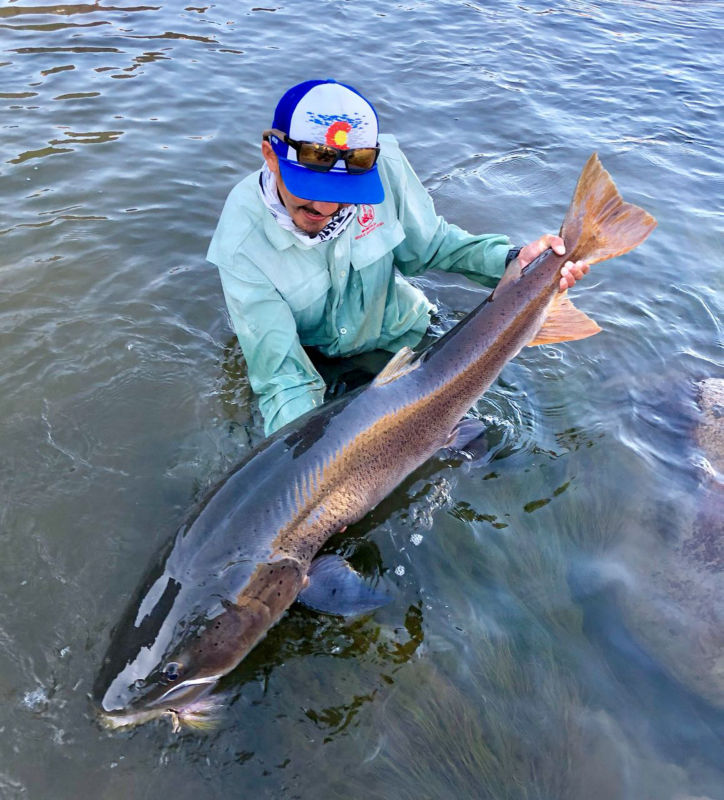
pixel 599 224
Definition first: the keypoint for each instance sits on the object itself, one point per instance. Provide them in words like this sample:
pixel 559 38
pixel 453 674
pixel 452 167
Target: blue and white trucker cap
pixel 329 113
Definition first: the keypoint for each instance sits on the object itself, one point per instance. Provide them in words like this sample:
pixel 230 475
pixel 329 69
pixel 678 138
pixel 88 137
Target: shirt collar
pixel 278 237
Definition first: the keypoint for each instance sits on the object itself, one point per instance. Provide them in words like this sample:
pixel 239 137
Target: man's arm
pixel 432 243
pixel 280 371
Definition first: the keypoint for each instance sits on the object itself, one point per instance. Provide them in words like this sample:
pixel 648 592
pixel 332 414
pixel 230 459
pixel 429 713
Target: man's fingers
pixel 557 244
pixel 570 273
pixel 551 240
pixel 567 279
pixel 531 251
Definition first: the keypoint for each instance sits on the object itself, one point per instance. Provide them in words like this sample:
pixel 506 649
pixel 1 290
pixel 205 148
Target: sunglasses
pixel 322 157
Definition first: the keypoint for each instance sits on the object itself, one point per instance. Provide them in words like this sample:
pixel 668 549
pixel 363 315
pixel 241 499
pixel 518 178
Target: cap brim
pixel 332 187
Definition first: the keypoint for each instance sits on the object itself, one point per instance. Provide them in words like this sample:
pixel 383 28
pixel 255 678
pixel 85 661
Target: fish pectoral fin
pixel 335 588
pixel 465 432
pixel 400 364
pixel 564 323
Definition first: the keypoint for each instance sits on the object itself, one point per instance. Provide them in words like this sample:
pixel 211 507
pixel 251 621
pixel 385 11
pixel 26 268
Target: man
pixel 313 250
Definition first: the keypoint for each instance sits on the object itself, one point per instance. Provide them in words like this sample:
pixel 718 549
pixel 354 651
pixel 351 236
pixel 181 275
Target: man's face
pixel 308 215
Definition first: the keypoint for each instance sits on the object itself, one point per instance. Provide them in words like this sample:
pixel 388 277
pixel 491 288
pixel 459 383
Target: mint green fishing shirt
pixel 343 296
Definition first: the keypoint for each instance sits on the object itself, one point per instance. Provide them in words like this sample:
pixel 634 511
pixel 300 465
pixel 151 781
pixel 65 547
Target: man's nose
pixel 325 209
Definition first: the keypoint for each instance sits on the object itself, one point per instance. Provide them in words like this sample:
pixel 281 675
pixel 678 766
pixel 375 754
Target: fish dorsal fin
pixel 400 364
pixel 564 323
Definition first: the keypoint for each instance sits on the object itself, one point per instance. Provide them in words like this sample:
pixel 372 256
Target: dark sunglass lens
pixel 361 159
pixel 316 156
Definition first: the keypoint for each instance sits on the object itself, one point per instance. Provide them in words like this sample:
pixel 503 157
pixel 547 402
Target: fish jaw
pixel 188 705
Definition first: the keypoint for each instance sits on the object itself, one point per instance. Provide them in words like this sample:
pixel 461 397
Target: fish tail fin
pixel 599 224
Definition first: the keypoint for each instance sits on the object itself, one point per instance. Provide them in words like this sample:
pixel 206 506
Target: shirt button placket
pixel 339 255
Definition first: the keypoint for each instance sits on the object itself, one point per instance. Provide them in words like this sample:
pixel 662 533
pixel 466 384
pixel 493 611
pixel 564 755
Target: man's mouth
pixel 314 214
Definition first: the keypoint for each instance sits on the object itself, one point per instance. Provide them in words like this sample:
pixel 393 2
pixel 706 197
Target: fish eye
pixel 172 671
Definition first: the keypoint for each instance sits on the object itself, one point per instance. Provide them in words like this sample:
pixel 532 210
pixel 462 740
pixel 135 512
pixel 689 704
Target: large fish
pixel 249 553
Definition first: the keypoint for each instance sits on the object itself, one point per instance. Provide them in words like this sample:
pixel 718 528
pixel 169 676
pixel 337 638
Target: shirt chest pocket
pixel 307 298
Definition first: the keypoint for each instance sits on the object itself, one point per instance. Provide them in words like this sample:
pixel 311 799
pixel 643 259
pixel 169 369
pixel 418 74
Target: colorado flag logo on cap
pixel 329 113
pixel 338 133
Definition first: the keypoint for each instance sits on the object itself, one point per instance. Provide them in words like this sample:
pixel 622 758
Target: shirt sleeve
pixel 432 243
pixel 280 371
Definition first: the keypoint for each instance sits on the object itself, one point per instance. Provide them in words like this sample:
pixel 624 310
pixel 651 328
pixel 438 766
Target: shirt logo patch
pixel 366 220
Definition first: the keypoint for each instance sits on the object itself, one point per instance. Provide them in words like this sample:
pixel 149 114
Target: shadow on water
pixel 304 634
pixel 687 728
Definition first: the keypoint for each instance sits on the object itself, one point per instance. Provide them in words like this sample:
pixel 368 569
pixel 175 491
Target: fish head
pixel 170 668
pixel 172 649
pixel 186 703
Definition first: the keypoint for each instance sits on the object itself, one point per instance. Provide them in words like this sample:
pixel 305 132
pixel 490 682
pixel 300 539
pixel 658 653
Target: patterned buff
pixel 268 187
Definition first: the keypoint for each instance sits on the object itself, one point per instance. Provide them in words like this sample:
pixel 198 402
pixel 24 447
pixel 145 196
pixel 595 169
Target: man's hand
pixel 570 272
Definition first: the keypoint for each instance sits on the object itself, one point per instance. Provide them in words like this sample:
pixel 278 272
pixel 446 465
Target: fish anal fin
pixel 400 364
pixel 599 224
pixel 564 323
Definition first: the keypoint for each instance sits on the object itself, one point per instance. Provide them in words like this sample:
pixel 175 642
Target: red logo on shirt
pixel 366 219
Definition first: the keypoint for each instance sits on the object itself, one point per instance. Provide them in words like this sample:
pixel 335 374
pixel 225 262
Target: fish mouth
pixel 201 715
pixel 115 721
pixel 186 705
pixel 185 693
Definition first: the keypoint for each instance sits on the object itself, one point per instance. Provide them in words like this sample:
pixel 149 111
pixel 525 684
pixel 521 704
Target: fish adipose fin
pixel 335 588
pixel 400 364
pixel 512 273
pixel 564 323
pixel 599 224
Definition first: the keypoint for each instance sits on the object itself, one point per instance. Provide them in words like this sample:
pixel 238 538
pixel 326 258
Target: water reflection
pixel 67 10
pixel 304 634
pixel 54 26
pixel 73 137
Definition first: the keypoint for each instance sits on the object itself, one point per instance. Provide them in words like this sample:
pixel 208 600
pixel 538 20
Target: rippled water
pixel 557 629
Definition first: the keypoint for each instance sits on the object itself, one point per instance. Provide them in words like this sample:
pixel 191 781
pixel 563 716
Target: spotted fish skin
pixel 237 566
